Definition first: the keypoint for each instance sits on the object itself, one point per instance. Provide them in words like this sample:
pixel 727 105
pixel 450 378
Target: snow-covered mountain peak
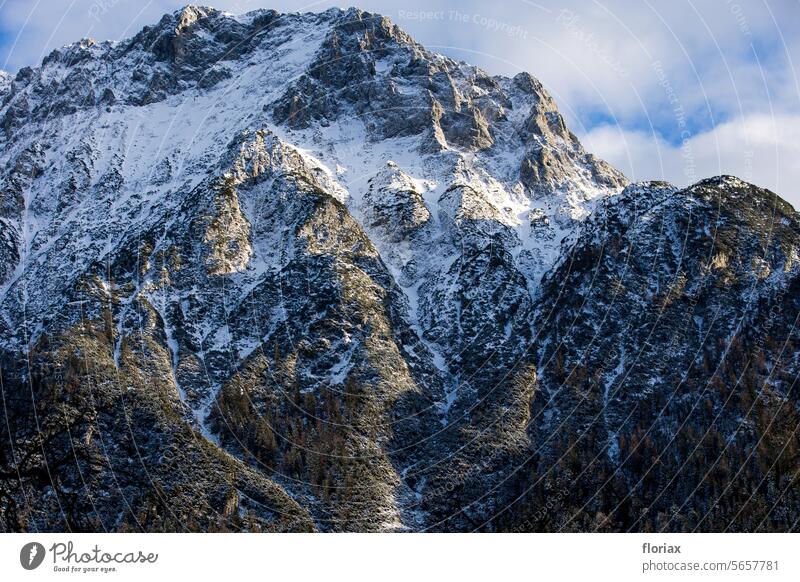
pixel 341 93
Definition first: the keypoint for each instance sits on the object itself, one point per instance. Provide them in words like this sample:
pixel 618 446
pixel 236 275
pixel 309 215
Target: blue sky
pixel 675 90
pixel 5 43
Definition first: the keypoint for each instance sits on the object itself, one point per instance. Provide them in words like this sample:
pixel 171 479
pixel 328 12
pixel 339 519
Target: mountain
pixel 295 272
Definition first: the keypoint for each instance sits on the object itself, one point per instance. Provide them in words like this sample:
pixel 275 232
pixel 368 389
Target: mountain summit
pixel 295 272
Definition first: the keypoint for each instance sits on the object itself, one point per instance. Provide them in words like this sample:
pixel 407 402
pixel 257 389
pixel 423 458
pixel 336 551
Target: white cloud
pixel 761 149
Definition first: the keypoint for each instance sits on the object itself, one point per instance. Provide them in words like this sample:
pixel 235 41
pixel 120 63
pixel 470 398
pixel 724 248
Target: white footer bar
pixel 401 557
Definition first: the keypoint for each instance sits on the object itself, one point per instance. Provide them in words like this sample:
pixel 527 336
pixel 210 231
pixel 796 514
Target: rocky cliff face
pixel 294 272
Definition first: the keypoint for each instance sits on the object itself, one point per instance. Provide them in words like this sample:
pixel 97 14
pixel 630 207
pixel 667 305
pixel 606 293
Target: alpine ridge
pixel 295 272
